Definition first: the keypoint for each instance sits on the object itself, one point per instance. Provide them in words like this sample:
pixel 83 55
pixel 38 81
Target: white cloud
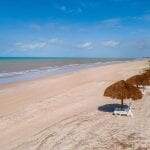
pixel 86 45
pixel 67 9
pixel 55 41
pixel 37 44
pixel 30 46
pixel 110 43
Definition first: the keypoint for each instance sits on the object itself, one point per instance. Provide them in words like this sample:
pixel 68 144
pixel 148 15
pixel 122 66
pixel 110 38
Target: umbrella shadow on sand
pixel 110 107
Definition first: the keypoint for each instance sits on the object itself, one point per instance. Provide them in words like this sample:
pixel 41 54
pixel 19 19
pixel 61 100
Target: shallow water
pixel 17 69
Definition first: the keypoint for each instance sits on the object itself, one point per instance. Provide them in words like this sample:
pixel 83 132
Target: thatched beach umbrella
pixel 146 82
pixel 135 80
pixel 146 73
pixel 146 78
pixel 122 90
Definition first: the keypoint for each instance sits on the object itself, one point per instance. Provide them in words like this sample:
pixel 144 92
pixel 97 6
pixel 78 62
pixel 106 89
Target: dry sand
pixel 61 113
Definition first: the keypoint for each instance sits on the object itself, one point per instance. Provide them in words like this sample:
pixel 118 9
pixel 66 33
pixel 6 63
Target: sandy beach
pixel 67 112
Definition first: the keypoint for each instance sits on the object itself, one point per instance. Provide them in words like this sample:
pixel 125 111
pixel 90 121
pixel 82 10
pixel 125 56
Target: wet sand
pixel 69 112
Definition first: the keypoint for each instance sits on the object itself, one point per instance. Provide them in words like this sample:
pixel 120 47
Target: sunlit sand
pixel 62 113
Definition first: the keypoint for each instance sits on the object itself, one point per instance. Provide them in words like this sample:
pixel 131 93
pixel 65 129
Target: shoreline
pixel 53 75
pixel 50 113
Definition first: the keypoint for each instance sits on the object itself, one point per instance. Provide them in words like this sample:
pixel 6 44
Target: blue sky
pixel 75 28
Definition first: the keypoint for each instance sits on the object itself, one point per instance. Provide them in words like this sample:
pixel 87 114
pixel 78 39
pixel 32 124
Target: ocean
pixel 13 69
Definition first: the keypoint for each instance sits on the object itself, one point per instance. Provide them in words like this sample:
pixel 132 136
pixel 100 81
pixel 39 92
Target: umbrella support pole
pixel 121 103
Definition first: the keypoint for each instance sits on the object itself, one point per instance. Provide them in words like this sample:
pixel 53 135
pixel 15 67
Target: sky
pixel 74 28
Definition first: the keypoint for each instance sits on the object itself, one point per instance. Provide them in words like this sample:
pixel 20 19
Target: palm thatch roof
pixel 135 80
pixel 146 77
pixel 122 90
pixel 146 73
pixel 146 82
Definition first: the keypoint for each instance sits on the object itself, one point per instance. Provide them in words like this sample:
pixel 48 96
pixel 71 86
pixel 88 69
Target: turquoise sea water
pixel 16 68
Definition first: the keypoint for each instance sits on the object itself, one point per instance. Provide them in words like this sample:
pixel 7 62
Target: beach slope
pixel 69 112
